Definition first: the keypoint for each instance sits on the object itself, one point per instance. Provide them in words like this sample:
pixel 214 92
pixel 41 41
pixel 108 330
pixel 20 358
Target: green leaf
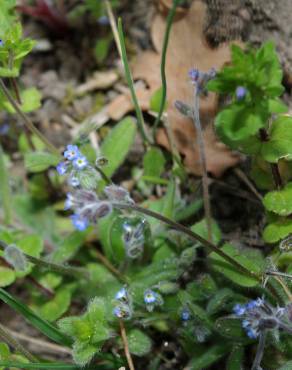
pixel 287 366
pixel 219 300
pixel 7 276
pixel 84 353
pixel 277 106
pixel 5 194
pixel 279 201
pixel 235 359
pixel 230 327
pixel 43 326
pixel 30 98
pixel 139 343
pixel 153 162
pixel 49 366
pixel 156 101
pixel 169 200
pixel 277 146
pixel 102 48
pixel 200 228
pixel 40 161
pixel 209 357
pixel 56 307
pixel 117 144
pixel 252 263
pixel 278 230
pixel 68 247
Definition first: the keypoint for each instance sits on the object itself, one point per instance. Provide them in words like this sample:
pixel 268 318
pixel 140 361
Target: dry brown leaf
pixel 187 49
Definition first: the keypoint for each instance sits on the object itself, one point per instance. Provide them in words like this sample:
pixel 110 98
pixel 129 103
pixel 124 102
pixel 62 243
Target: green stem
pixel 28 123
pixel 5 335
pixel 129 78
pixel 192 235
pixel 5 189
pixel 65 270
pixel 169 22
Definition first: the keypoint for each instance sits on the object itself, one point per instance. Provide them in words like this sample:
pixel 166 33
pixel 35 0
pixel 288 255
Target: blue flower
pixel 239 309
pixel 79 223
pixel 74 181
pixel 72 152
pixel 103 20
pixel 61 168
pixel 185 314
pixel 150 297
pixel 240 92
pixel 68 202
pixel 1 43
pixel 80 162
pixel 194 74
pixel 123 311
pixel 251 333
pixel 122 294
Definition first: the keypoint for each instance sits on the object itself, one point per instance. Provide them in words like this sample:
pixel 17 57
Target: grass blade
pixel 43 326
pixel 50 366
pixel 129 78
pixel 169 22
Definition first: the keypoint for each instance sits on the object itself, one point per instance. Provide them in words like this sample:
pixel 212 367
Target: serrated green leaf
pixel 279 201
pixel 117 144
pixel 231 272
pixel 139 343
pixel 278 230
pixel 40 161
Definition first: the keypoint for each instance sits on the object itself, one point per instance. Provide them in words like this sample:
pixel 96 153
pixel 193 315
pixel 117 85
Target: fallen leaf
pixel 187 49
pixel 99 81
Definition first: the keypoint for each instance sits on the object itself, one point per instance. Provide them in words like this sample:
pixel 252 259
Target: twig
pixel 47 346
pixel 7 337
pixel 203 162
pixel 126 345
pixel 110 267
pixel 239 173
pixel 192 235
pixel 28 123
pixel 113 24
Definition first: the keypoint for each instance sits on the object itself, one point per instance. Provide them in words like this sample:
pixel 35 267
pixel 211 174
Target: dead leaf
pixel 187 49
pixel 99 81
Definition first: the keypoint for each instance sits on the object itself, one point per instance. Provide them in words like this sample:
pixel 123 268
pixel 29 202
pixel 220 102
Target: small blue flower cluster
pixel 200 79
pixel 257 315
pixel 75 161
pixel 124 307
pixel 152 299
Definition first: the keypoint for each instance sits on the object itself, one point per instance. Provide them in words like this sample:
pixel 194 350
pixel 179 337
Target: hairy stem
pixel 203 163
pixel 126 346
pixel 260 352
pixel 193 236
pixel 8 338
pixel 65 270
pixel 28 123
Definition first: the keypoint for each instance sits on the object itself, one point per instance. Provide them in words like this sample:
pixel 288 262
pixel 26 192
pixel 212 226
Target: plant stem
pixel 203 163
pixel 110 267
pixel 5 190
pixel 195 237
pixel 276 175
pixel 28 123
pixel 169 23
pixel 277 273
pixel 65 270
pixel 104 176
pixel 126 346
pixel 16 90
pixel 140 119
pixel 260 352
pixel 8 338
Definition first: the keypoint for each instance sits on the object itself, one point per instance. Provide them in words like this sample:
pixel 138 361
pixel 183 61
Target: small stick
pixel 114 27
pixel 7 337
pixel 126 346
